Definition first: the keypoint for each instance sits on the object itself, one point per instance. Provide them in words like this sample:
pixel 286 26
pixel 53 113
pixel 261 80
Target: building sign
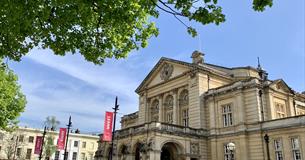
pixel 38 145
pixel 108 126
pixel 61 138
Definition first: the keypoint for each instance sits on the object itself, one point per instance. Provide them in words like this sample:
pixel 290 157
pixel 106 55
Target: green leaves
pixel 49 148
pixel 192 31
pixel 260 5
pixel 12 101
pixel 96 29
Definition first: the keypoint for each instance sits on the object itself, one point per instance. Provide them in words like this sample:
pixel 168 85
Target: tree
pixel 12 101
pixel 97 29
pixel 14 146
pixel 52 123
pixel 49 148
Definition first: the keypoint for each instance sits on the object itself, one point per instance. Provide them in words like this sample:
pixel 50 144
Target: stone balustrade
pixel 161 128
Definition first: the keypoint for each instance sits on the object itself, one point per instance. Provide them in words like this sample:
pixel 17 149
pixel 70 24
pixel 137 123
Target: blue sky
pixel 63 86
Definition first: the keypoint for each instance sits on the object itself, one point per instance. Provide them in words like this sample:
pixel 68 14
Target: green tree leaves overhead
pixel 97 29
pixel 12 101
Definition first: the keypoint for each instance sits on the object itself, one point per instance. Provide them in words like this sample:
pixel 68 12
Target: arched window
pixel 183 108
pixel 154 110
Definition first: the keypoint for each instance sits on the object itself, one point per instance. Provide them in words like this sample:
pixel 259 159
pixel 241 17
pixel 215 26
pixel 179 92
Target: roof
pixel 206 67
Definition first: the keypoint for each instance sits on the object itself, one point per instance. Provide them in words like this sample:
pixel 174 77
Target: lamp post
pixel 43 136
pixel 116 108
pixel 266 138
pixel 231 148
pixel 69 126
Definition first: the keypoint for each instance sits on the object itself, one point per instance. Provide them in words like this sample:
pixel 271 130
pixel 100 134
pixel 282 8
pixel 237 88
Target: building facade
pixel 201 111
pixel 20 145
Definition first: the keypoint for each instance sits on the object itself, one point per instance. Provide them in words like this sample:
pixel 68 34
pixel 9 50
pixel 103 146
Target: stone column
pixel 161 108
pixel 148 116
pixel 154 155
pixel 175 107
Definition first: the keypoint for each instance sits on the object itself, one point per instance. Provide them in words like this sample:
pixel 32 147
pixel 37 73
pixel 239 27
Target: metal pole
pixel 44 134
pixel 116 108
pixel 266 137
pixel 69 125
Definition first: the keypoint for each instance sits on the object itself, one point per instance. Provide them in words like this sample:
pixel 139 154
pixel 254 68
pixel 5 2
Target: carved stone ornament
pixel 169 102
pixel 166 71
pixel 183 98
pixel 151 144
pixel 194 148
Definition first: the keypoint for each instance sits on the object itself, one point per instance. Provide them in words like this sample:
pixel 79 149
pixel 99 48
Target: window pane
pixel 75 143
pixel 295 143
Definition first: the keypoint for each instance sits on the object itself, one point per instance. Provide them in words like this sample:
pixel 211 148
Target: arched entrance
pixel 170 151
pixel 138 151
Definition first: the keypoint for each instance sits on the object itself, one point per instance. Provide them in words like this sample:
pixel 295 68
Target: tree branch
pixel 176 13
pixel 173 12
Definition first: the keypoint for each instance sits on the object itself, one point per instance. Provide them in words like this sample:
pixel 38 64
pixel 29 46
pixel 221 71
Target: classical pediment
pixel 165 70
pixel 281 86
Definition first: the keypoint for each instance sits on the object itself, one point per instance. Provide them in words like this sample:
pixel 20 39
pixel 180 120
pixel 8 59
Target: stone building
pixel 20 145
pixel 201 111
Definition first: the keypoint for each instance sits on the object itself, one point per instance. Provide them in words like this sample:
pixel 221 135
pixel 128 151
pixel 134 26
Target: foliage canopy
pixel 12 101
pixel 97 29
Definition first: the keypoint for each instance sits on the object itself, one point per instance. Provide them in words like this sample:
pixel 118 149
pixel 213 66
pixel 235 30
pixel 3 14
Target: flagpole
pixel 69 125
pixel 116 108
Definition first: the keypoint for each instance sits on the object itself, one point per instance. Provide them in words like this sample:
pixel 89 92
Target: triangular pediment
pixel 165 70
pixel 280 85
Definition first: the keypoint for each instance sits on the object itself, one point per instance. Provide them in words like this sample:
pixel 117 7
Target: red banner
pixel 61 138
pixel 108 126
pixel 38 144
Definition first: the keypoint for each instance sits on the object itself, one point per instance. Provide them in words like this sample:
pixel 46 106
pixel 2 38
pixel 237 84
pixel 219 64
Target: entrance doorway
pixel 170 151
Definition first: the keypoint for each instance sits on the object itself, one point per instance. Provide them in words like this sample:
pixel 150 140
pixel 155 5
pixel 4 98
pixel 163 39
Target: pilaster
pixel 175 107
pixel 161 108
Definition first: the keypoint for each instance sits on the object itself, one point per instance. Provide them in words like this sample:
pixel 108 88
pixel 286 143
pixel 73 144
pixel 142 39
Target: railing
pixel 161 128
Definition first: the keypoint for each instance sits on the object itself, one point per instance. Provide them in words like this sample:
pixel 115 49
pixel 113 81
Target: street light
pixel 231 148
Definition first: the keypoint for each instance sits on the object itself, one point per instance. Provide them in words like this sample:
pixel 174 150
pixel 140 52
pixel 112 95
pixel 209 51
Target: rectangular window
pixel 228 155
pixel 83 156
pixel 227 115
pixel 18 152
pixel 67 155
pixel 21 137
pixel 75 143
pixel 185 117
pixel 31 139
pixel 74 156
pixel 57 155
pixel 296 152
pixel 84 145
pixel 278 148
pixel 280 110
pixel 28 153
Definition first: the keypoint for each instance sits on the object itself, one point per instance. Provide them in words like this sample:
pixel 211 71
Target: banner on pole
pixel 61 138
pixel 107 136
pixel 38 144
